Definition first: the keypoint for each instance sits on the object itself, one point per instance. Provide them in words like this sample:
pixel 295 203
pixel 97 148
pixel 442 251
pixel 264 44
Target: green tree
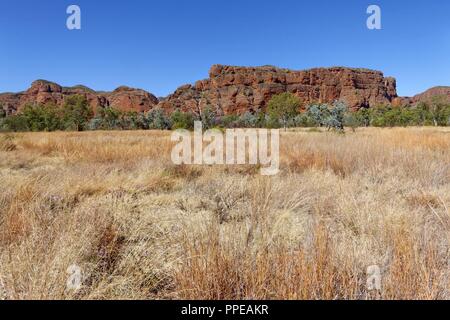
pixel 378 116
pixel 229 120
pixel 76 113
pixel 391 116
pixel 95 123
pixel 182 120
pixel 248 120
pixel 16 123
pixel 303 120
pixel 156 119
pixel 111 118
pixel 439 110
pixel 2 112
pixel 208 118
pixel 283 107
pixel 336 116
pixel 364 116
pixel 42 117
pixel 351 120
pixel 319 114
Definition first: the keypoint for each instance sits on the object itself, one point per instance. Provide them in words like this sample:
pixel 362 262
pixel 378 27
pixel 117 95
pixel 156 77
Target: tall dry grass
pixel 139 227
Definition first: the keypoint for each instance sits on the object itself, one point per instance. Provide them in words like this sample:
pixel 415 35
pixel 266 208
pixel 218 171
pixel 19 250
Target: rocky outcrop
pixel 45 92
pixel 236 90
pixel 130 99
pixel 428 95
pixel 442 93
pixel 9 102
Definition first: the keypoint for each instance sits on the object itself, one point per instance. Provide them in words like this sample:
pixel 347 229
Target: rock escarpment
pixel 442 93
pixel 427 96
pixel 236 90
pixel 45 92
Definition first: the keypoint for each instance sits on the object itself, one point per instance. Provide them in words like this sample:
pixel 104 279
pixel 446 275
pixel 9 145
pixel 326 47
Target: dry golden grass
pixel 141 228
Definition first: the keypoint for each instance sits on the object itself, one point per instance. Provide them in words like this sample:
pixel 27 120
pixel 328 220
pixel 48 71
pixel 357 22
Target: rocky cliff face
pixel 428 95
pixel 130 99
pixel 45 92
pixel 9 102
pixel 231 90
pixel 442 92
pixel 236 90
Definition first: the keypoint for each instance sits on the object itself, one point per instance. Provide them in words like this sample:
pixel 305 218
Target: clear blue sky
pixel 160 45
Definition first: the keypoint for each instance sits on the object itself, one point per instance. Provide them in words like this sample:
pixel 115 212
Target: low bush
pixel 283 111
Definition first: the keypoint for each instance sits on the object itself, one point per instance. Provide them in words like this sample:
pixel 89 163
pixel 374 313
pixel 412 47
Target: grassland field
pixel 139 227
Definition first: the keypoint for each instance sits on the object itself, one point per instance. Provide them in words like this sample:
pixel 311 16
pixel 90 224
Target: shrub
pixel 157 120
pixel 422 115
pixel 76 113
pixel 319 114
pixel 128 120
pixel 182 120
pixel 141 121
pixel 110 118
pixel 248 120
pixel 419 115
pixel 15 123
pixel 272 123
pixel 283 107
pixel 302 120
pixel 42 117
pixel 229 121
pixel 351 120
pixel 336 116
pixel 95 124
pixel 208 118
pixel 363 117
pixel 439 110
pixel 2 112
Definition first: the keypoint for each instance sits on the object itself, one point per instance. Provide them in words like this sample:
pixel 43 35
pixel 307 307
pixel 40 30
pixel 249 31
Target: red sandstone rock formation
pixel 236 90
pixel 9 102
pixel 45 92
pixel 130 99
pixel 232 90
pixel 428 95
